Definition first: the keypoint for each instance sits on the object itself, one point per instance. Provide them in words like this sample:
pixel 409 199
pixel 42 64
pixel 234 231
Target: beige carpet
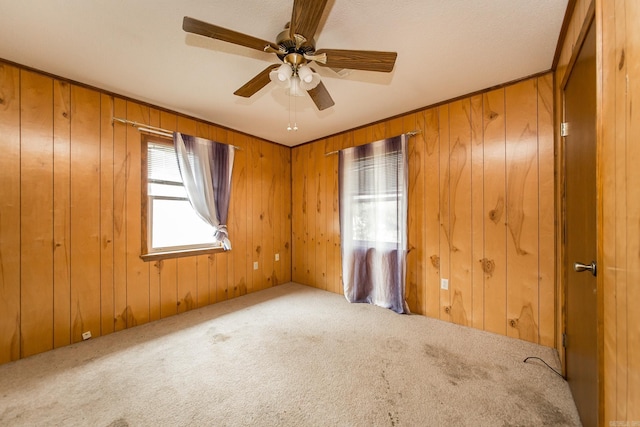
pixel 292 356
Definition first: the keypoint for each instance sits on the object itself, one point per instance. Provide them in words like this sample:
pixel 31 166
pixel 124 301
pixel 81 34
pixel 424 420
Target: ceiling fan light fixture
pixel 284 72
pixel 313 81
pixel 295 89
pixel 305 73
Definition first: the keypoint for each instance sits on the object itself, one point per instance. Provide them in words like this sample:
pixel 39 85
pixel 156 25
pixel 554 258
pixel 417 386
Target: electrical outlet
pixel 444 284
pixel 277 257
pixel 86 335
pixel 255 265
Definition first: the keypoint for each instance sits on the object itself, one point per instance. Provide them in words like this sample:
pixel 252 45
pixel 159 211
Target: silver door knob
pixel 579 267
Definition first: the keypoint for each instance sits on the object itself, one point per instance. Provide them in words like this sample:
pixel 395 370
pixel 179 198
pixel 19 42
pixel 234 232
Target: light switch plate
pixel 444 284
pixel 255 265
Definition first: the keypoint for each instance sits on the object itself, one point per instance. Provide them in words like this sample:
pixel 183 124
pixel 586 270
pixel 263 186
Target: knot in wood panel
pixel 513 323
pixel 496 213
pixel 447 309
pixel 488 266
pixel 435 261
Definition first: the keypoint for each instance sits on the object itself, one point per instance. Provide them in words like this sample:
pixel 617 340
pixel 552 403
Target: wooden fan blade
pixel 368 60
pixel 321 97
pixel 191 25
pixel 306 17
pixel 256 83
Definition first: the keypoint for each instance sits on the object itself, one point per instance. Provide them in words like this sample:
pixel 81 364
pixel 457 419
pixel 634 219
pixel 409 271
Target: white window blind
pixel 173 223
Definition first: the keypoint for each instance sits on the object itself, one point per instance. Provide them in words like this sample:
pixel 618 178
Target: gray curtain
pixel 373 222
pixel 206 168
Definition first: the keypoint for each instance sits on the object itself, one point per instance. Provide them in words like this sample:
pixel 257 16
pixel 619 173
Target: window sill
pixel 156 256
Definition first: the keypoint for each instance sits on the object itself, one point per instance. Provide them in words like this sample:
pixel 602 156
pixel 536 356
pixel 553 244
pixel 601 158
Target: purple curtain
pixel 373 222
pixel 206 168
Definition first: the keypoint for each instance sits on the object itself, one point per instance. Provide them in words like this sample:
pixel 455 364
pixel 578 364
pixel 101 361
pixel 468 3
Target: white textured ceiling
pixel 137 48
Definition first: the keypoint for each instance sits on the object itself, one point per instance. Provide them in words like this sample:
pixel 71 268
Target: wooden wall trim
pixel 588 20
pixel 563 33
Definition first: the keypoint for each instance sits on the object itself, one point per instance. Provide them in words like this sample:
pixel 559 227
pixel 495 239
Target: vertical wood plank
pixel 121 169
pixel 621 225
pixel 414 226
pixel 303 237
pixel 445 211
pixel 477 211
pixel 546 211
pixel 106 214
pixel 287 229
pixel 432 210
pixel 61 214
pixel 494 263
pixel 297 214
pixel 522 210
pixel 329 218
pixel 268 197
pixel 633 208
pixel 342 141
pixel 85 212
pixel 36 211
pixel 278 212
pixel 257 215
pixel 283 200
pixel 612 73
pixel 237 215
pixel 9 213
pixel 321 215
pixel 137 309
pixel 311 173
pixel 460 210
pixel 420 209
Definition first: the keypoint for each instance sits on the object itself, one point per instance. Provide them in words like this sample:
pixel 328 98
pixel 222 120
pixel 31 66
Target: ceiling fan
pixel 295 47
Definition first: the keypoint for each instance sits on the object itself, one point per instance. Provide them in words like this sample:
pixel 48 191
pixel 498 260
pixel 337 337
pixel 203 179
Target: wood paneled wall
pixel 70 218
pixel 481 210
pixel 619 205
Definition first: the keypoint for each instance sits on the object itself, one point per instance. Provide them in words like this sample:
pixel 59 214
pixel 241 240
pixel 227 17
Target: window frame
pixel 146 213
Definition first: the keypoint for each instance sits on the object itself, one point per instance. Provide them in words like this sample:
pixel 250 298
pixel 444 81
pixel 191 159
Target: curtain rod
pixel 154 130
pixel 409 134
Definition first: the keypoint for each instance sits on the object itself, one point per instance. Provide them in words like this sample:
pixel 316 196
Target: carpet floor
pixel 289 356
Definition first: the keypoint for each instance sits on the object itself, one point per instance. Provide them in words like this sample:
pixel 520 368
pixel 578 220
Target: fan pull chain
pixel 295 115
pixel 289 125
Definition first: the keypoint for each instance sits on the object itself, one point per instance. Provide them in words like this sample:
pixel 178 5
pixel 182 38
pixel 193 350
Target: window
pixel 171 227
pixel 377 201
